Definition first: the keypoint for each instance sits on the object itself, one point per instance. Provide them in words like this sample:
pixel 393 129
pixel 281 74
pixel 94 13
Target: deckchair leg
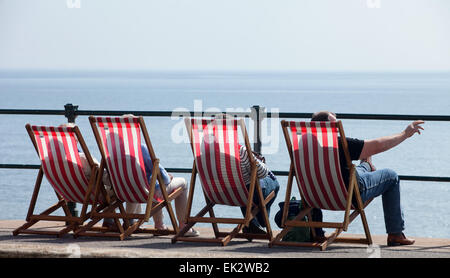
pixel 335 236
pixel 168 205
pixel 279 236
pixel 37 187
pixel 361 207
pixel 182 231
pixel 131 229
pixel 32 218
pixel 69 228
pixel 214 225
pixel 232 234
pixel 92 182
pixel 366 228
pixel 190 224
pixel 330 239
pixel 288 194
pixel 262 208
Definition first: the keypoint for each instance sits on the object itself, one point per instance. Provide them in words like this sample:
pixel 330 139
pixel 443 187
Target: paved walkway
pixel 148 246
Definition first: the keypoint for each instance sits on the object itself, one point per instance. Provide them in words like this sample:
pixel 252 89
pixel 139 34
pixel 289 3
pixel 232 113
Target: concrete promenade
pixel 148 246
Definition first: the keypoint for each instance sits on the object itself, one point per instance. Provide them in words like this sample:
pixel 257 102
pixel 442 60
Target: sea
pixel 425 204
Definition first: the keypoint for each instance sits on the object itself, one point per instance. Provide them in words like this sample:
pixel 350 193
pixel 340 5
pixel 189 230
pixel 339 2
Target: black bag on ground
pixel 298 234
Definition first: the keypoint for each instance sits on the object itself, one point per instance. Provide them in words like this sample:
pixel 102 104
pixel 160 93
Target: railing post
pixel 257 118
pixel 71 113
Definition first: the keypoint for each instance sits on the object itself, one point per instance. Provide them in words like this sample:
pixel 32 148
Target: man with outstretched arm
pixel 372 182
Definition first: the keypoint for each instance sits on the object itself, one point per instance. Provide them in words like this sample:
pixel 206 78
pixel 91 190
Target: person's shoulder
pixel 144 148
pixel 242 149
pixel 355 140
pixel 351 141
pixel 82 155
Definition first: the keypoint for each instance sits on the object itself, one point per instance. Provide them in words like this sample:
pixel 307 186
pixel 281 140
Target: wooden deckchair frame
pixel 152 206
pixel 306 211
pixel 252 209
pixel 72 222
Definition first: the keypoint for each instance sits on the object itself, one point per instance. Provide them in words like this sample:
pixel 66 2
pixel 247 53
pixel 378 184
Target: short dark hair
pixel 321 116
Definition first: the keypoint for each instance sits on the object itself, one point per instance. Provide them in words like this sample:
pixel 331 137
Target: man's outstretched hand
pixel 413 128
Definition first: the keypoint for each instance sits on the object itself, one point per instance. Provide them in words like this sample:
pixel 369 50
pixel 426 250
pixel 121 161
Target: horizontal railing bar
pixel 118 113
pixel 159 113
pixel 348 116
pixel 277 173
pixel 424 178
pixel 355 116
pixel 32 111
pixel 19 166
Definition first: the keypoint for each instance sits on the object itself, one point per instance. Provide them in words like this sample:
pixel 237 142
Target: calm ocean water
pixel 425 204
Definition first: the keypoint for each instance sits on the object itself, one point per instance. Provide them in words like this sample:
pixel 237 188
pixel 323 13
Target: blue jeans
pixel 386 183
pixel 267 186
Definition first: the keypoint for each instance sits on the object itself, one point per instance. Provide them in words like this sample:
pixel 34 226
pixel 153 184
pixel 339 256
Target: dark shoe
pixel 320 239
pixel 253 229
pixel 399 239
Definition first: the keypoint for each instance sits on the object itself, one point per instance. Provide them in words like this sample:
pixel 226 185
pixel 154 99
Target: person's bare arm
pixel 375 146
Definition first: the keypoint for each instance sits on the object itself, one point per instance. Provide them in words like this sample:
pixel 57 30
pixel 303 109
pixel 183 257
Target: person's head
pixel 67 125
pixel 323 116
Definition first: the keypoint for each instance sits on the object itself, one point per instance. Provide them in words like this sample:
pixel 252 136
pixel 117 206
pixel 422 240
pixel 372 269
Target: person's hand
pixel 413 128
pixel 260 157
pixel 369 161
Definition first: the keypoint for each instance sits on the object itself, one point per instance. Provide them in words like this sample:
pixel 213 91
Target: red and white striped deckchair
pixel 215 147
pixel 119 141
pixel 57 148
pixel 314 151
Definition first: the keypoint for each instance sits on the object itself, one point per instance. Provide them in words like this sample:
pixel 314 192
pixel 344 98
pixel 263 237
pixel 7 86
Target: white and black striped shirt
pixel 262 169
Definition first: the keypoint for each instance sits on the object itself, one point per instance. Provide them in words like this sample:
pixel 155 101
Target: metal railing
pixel 257 114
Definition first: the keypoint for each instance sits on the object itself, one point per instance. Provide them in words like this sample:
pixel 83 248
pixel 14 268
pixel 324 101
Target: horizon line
pixel 140 70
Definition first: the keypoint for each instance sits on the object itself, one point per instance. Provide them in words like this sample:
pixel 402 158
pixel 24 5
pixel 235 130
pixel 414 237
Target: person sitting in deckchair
pixel 372 182
pixel 172 184
pixel 268 184
pixel 87 168
pixel 108 222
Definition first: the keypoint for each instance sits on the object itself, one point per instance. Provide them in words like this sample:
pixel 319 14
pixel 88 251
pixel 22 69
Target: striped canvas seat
pixel 61 163
pixel 216 150
pixel 121 144
pixel 316 160
pixel 120 141
pixel 315 164
pixel 217 162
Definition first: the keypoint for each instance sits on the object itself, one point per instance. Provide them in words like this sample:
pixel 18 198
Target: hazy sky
pixel 330 35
